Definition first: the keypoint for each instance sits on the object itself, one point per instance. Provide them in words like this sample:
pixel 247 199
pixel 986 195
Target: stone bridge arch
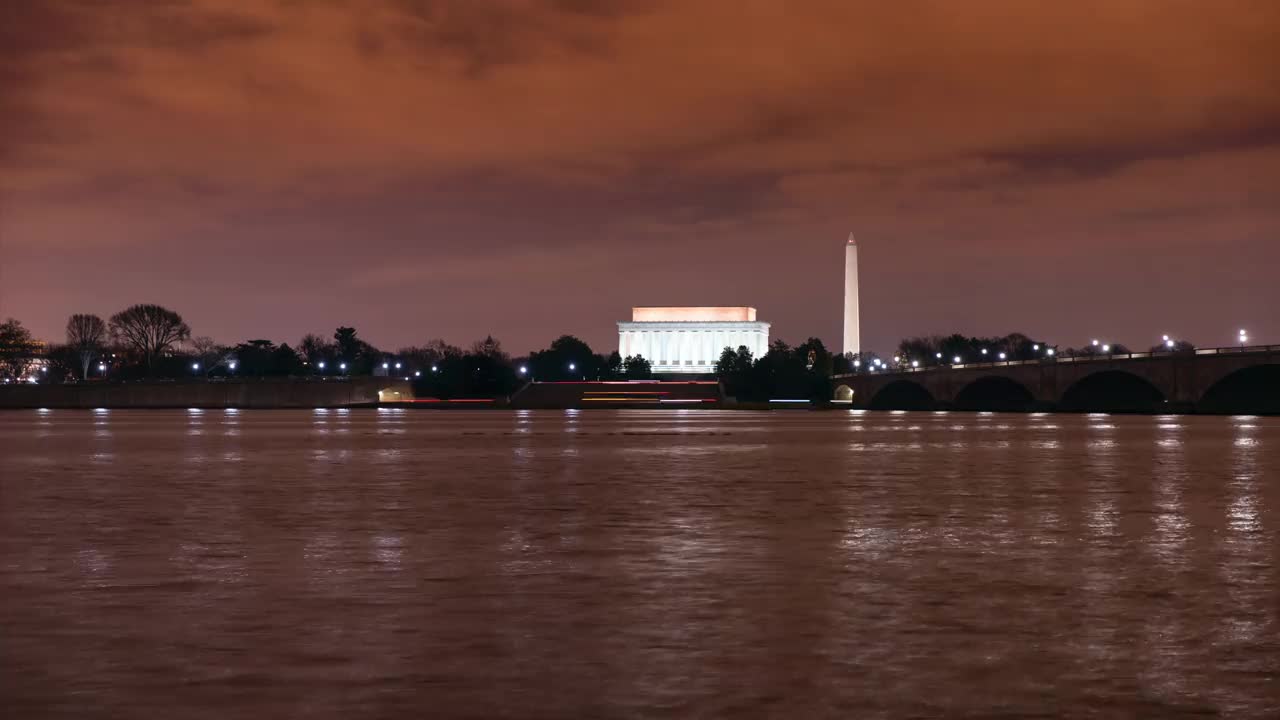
pixel 902 394
pixel 1113 390
pixel 995 392
pixel 1254 390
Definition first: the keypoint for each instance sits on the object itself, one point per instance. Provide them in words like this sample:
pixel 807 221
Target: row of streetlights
pixel 1169 343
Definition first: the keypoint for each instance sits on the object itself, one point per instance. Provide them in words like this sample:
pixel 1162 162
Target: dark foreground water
pixel 359 564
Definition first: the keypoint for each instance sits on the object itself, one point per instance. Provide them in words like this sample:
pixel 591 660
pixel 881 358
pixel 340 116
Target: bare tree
pixel 209 353
pixel 149 329
pixel 86 335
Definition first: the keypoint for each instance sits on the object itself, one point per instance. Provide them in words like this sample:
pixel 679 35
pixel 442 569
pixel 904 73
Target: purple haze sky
pixel 268 168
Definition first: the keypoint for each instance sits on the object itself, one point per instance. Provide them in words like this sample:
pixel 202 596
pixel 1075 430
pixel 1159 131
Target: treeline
pixel 802 372
pixel 151 341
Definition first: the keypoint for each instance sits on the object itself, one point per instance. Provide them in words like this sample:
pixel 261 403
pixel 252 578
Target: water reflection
pixel 631 564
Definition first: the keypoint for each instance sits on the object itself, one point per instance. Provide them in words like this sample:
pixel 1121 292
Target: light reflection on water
pixel 342 563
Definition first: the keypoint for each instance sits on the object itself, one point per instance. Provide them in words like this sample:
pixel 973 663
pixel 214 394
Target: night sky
pixel 453 169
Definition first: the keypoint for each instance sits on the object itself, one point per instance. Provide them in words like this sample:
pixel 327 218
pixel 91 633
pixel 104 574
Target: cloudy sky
pixel 421 169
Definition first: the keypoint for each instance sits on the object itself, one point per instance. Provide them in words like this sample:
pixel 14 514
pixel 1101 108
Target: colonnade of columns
pixel 689 347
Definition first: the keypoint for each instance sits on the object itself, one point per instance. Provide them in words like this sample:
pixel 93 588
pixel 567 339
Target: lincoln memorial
pixel 690 339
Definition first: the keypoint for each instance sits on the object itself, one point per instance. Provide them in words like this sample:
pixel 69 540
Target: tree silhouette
pixel 149 330
pixel 16 350
pixel 636 367
pixel 86 335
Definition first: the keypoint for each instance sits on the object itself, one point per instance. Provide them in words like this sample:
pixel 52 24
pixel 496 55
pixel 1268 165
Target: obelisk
pixel 852 343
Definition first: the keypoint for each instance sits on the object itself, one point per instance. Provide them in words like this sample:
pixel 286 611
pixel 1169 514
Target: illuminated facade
pixel 690 339
pixel 852 330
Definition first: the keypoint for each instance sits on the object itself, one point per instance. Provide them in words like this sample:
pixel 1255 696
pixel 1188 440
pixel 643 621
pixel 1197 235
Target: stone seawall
pixel 234 393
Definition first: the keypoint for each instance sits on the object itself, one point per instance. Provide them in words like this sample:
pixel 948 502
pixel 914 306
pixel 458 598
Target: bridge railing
pixel 1236 350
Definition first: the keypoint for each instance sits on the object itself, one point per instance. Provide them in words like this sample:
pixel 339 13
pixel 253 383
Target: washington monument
pixel 852 344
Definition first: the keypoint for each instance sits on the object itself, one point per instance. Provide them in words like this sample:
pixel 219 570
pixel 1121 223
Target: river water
pixel 542 564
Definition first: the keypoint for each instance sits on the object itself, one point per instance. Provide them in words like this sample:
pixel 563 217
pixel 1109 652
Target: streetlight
pixel 1106 348
pixel 231 365
pixel 1050 351
pixel 320 364
pixel 572 367
pixel 397 366
pixel 1244 338
pixel 435 369
pixel 955 360
pixel 384 366
pixel 342 366
pixel 857 363
pixel 1168 343
pixel 915 363
pixel 1095 343
pixel 195 366
pixel 102 367
pixel 1035 348
pixel 524 370
pixel 984 351
pixel 939 356
pixel 1002 356
pixel 417 373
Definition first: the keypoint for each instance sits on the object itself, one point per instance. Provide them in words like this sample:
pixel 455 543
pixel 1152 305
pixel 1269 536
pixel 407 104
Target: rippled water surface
pixel 365 563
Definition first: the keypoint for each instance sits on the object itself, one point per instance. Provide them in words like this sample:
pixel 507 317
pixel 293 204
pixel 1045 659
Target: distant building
pixel 690 339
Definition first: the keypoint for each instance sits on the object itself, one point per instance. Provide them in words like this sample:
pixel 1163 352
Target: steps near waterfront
pixel 619 394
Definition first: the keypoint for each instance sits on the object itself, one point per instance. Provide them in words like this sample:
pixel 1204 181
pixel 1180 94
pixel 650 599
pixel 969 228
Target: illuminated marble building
pixel 690 339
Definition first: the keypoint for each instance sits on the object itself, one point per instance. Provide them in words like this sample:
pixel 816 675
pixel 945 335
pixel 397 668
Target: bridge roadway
pixel 1173 381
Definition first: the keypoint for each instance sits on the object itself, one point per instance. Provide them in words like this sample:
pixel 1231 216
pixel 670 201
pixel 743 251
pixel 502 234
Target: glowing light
pixel 523 370
pixel 915 363
pixel 896 359
pixel 1002 356
pixel 1168 344
pixel 956 360
pixel 102 367
pixel 572 367
pixel 232 365
pixel 1036 348
pixel 435 369
pixel 384 366
pixel 984 351
pixel 342 366
pixel 44 369
pixel 320 364
pixel 857 363
pixel 1050 351
pixel 1095 343
pixel 195 366
pixel 417 373
pixel 1165 338
pixel 939 356
pixel 397 366
pixel 1106 348
pixel 693 314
